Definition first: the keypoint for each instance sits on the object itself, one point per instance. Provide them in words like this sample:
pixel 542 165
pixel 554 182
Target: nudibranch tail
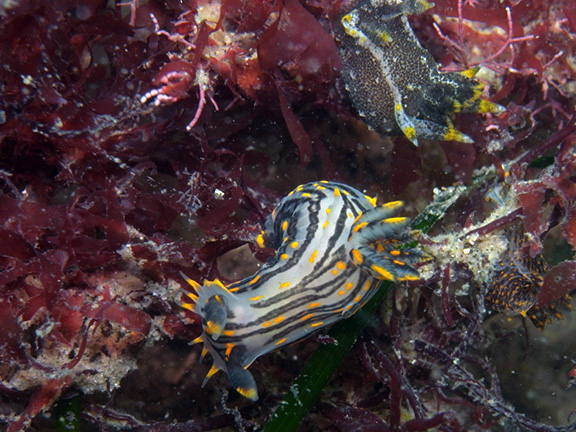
pixel 333 246
pixel 242 380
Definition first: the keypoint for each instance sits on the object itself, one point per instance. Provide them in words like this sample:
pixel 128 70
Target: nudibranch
pixel 333 247
pixel 515 287
pixel 394 83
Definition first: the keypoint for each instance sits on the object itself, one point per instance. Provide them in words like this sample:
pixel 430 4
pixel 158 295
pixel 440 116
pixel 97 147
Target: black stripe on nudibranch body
pixel 394 83
pixel 333 247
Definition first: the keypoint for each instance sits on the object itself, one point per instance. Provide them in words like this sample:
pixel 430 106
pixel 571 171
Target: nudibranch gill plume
pixel 394 83
pixel 333 247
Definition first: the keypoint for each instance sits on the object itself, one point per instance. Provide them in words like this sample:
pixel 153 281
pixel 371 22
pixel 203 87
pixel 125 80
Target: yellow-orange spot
pixel 260 240
pixel 488 107
pixel 337 192
pixel 218 299
pixel 285 239
pixel 469 73
pixel 212 371
pixel 191 282
pixel 320 188
pixel 357 256
pixel 228 333
pixel 393 204
pixel 328 210
pixel 203 353
pixel 358 298
pixel 345 192
pixel 323 181
pixel 294 244
pixel 367 285
pixel 307 317
pixel 219 283
pixel 340 265
pixel 284 256
pixel 347 308
pixel 249 393
pixel 280 342
pixel 279 319
pixel 256 298
pixel 325 224
pixel 409 132
pixel 384 37
pixel 395 252
pixel 334 272
pixel 254 280
pixel 398 262
pixel 313 256
pixel 316 324
pixel 372 200
pixel 188 306
pixel 284 285
pixel 359 226
pixel 313 305
pixel 394 220
pixel 234 289
pixel 229 347
pixel 382 272
pixel 341 293
pixel 284 225
pixel 349 286
pixel 306 194
pixel 198 340
pixel 408 278
pixel 213 328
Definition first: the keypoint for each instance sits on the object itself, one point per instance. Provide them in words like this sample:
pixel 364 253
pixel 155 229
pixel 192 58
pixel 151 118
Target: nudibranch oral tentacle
pixel 333 247
pixel 394 83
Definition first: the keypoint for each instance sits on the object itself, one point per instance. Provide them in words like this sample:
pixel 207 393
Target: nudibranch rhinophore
pixel 333 247
pixel 394 83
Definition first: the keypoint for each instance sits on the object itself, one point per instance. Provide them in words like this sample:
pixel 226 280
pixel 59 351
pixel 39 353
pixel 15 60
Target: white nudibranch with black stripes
pixel 333 247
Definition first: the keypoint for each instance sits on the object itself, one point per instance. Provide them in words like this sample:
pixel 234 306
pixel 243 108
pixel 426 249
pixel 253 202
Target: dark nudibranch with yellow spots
pixel 394 83
pixel 333 247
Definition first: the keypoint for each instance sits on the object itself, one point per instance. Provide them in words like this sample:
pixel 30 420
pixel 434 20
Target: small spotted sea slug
pixel 333 247
pixel 515 287
pixel 394 83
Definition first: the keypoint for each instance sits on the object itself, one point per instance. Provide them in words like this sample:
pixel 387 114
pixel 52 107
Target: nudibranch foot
pixel 333 247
